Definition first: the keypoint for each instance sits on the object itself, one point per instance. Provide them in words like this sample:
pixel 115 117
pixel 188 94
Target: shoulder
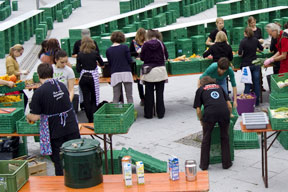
pixel 10 59
pixel 69 69
pixel 224 30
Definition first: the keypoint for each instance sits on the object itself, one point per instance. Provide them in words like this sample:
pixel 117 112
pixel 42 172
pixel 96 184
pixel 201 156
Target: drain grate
pixel 194 139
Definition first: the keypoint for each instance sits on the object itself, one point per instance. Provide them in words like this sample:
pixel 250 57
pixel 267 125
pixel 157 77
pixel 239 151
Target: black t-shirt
pixel 213 34
pixel 248 48
pixel 77 45
pixel 218 50
pixel 258 33
pixel 88 61
pixel 48 100
pixel 214 99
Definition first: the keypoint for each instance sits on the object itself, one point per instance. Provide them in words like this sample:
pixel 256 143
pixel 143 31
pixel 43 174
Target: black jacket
pixel 218 50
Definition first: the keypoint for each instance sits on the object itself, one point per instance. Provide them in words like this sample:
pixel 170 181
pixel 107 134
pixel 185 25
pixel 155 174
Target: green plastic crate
pixel 185 67
pixel 18 104
pixel 275 90
pixel 114 118
pixel 23 127
pixel 245 140
pixel 36 77
pixel 276 102
pixel 283 139
pixel 19 87
pixel 205 63
pixel 277 123
pixel 77 75
pixel 23 149
pixel 14 174
pixel 236 61
pixel 184 47
pixel 15 5
pixel 116 162
pixel 8 120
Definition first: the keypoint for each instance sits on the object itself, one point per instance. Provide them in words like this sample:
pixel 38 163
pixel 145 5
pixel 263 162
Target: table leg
pixel 111 153
pixel 265 178
pixel 105 152
pixel 262 153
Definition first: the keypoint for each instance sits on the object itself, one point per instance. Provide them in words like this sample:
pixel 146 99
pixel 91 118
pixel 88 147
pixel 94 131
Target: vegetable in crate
pixel 245 96
pixel 282 84
pixel 280 113
pixel 258 61
pixel 10 98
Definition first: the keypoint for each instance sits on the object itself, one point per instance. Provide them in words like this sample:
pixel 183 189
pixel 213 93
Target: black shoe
pixel 148 117
pixel 227 166
pixel 203 168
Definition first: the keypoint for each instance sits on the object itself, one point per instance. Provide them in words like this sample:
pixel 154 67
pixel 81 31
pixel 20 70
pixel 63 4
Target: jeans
pixel 206 144
pixel 149 99
pixel 223 84
pixel 87 86
pixel 117 92
pixel 255 72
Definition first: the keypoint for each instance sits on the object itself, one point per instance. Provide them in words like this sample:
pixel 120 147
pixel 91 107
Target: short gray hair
pixel 273 27
pixel 85 33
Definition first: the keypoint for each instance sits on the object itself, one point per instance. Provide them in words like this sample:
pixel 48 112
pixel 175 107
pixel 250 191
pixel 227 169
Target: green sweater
pixel 213 73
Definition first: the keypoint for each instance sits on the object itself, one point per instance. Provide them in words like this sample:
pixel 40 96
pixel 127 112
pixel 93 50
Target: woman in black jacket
pixel 220 49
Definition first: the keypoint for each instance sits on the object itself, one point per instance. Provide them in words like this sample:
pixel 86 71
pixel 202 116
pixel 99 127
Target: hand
pixel 235 104
pixel 10 84
pixel 201 122
pixel 268 61
pixel 24 72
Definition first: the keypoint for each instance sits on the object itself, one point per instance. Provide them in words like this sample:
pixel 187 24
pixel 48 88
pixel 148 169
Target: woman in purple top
pixel 154 75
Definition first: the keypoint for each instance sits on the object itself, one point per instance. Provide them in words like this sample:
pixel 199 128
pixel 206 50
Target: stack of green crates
pixel 65 45
pixel 160 20
pixel 205 63
pixel 186 11
pixel 245 6
pixel 8 120
pixel 2 42
pixel 124 6
pixel 282 138
pixel 65 12
pixel 169 17
pixel 185 67
pixel 223 9
pixel 15 5
pixel 40 35
pixel 264 32
pixel 237 61
pixel 14 173
pixel 184 47
pixel 254 4
pixel 59 16
pixel 170 46
pixel 245 140
pixel 174 6
pixel 235 7
pixel 237 35
pixel 262 4
pixel 198 44
pixel 116 162
pixel 215 149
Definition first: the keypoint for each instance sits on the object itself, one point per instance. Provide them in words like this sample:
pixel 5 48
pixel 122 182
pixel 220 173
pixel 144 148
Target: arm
pixel 75 49
pixel 278 57
pixel 142 54
pixel 209 41
pixel 7 83
pixel 99 59
pixel 133 50
pixel 230 54
pixel 32 117
pixel 233 83
pixel 128 55
pixel 208 52
pixel 165 51
pixel 97 48
pixel 259 46
pixel 199 113
pixel 229 106
pixel 235 97
pixel 240 51
pixel 78 64
pixel 70 84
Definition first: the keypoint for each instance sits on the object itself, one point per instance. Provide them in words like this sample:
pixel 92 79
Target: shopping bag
pixel 246 76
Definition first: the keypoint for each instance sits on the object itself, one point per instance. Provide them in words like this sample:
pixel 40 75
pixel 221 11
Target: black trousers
pixel 87 86
pixel 149 99
pixel 206 143
pixel 140 90
pixel 56 144
pixel 25 99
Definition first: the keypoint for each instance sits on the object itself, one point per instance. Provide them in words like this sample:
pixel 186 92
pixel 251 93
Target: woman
pixel 120 61
pixel 12 66
pixel 43 49
pixel 282 46
pixel 154 54
pixel 256 30
pixel 63 73
pixel 212 36
pixel 86 65
pixel 220 49
pixel 52 47
pixel 247 50
pixel 135 50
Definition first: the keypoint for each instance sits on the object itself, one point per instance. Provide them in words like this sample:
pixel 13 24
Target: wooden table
pixel 154 182
pixel 85 129
pixel 264 147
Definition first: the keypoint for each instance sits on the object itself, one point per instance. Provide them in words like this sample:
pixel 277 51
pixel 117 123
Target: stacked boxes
pixel 198 44
pixel 223 9
pixel 160 20
pixel 237 35
pixel 184 47
pixel 65 45
pixel 170 46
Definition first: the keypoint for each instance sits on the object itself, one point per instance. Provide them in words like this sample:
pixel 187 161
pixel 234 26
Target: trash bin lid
pixel 80 145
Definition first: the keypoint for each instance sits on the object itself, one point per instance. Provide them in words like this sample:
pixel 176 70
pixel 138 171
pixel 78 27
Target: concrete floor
pixel 157 137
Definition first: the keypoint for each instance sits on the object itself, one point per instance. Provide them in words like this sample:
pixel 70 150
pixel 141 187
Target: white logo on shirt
pixel 215 95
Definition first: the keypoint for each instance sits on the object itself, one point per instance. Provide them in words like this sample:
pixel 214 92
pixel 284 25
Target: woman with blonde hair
pixel 12 66
pixel 219 27
pixel 220 49
pixel 257 31
pixel 86 65
pixel 135 50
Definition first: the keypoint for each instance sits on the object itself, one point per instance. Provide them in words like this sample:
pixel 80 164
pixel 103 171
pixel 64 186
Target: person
pixel 51 104
pixel 12 66
pixel 135 50
pixel 212 36
pixel 221 48
pixel 7 83
pixel 154 54
pixel 63 73
pixel 282 47
pixel 86 65
pixel 247 50
pixel 217 109
pixel 43 49
pixel 52 47
pixel 219 71
pixel 120 61
pixel 256 30
pixel 77 44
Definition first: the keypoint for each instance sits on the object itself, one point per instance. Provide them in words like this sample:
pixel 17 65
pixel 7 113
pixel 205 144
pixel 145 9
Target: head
pixel 219 23
pixel 61 58
pixel 154 34
pixel 285 26
pixel 251 22
pixel 85 33
pixel 43 48
pixel 45 71
pixel 16 51
pixel 53 46
pixel 248 32
pixel 223 65
pixel 117 37
pixel 207 80
pixel 140 36
pixel 273 30
pixel 221 37
pixel 87 45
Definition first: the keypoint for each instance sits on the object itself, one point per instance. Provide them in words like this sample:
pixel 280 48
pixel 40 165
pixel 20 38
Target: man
pixel 51 104
pixel 220 71
pixel 217 109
